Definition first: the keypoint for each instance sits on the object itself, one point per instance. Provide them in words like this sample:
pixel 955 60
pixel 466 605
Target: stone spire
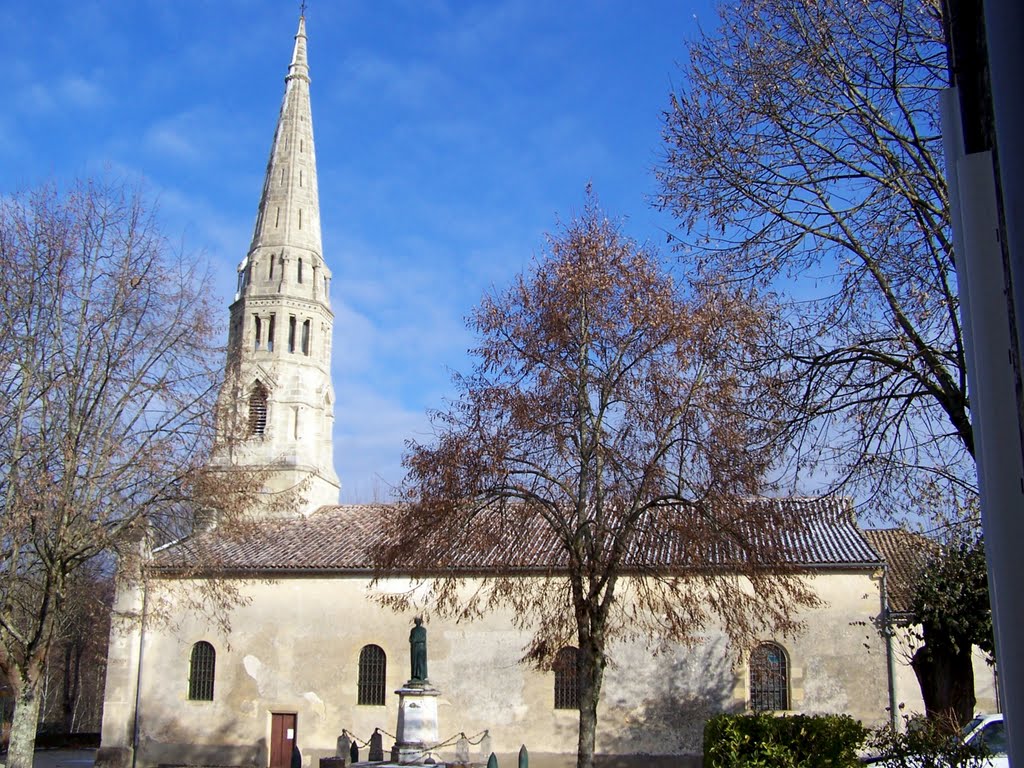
pixel 276 409
pixel 289 212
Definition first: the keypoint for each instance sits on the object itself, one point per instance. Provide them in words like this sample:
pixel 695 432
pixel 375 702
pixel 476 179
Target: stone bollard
pixel 524 757
pixel 492 761
pixel 485 743
pixel 344 744
pixel 376 747
pixel 462 749
pixel 353 751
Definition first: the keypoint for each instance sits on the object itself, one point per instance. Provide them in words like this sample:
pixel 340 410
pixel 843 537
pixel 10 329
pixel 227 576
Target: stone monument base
pixel 417 731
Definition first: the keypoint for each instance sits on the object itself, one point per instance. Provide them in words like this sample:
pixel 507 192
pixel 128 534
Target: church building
pixel 311 655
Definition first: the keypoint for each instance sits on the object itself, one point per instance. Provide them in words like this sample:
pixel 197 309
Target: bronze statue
pixel 418 650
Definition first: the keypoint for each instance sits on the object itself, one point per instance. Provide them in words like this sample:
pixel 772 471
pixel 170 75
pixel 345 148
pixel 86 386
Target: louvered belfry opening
pixel 258 410
pixel 373 666
pixel 567 684
pixel 769 678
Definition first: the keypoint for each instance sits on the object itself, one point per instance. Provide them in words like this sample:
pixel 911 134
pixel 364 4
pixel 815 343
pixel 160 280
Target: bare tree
pixel 107 386
pixel 600 440
pixel 75 672
pixel 803 155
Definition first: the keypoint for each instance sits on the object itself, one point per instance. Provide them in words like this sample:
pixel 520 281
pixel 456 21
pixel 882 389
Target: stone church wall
pixel 295 648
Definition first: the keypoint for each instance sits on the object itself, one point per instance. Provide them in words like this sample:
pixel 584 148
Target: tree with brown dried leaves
pixel 600 446
pixel 803 154
pixel 108 379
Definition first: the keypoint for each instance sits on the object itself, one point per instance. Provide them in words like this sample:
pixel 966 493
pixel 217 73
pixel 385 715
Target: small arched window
pixel 258 410
pixel 300 270
pixel 567 685
pixel 373 667
pixel 769 678
pixel 201 672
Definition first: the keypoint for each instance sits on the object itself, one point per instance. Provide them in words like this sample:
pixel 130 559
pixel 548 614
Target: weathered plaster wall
pixel 295 648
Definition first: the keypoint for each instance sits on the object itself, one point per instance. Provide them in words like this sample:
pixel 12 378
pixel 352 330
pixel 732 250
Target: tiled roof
pixel 820 533
pixel 906 555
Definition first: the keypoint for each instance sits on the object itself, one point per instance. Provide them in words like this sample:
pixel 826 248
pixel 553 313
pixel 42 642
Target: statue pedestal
pixel 417 723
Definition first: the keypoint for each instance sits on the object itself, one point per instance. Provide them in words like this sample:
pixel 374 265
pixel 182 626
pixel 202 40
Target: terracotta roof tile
pixel 340 539
pixel 906 555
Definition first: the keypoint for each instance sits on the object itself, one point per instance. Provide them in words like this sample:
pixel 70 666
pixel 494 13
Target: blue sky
pixel 450 137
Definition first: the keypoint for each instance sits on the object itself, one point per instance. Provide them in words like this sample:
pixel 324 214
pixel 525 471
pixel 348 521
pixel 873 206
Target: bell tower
pixel 276 408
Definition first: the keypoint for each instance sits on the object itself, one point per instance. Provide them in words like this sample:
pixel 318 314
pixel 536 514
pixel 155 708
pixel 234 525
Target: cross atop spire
pixel 299 68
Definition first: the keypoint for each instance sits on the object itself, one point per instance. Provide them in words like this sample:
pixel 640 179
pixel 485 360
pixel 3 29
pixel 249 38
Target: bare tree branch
pixel 802 155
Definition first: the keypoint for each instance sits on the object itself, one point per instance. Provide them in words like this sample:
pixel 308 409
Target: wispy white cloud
pixel 81 91
pixel 168 139
pixel 70 92
pixel 192 136
pixel 481 26
pixel 369 439
pixel 393 82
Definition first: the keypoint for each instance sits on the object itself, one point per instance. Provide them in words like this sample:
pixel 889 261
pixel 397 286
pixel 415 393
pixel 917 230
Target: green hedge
pixel 767 741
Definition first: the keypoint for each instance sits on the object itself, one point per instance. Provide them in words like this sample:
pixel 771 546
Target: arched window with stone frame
pixel 769 678
pixel 201 670
pixel 258 409
pixel 567 681
pixel 373 672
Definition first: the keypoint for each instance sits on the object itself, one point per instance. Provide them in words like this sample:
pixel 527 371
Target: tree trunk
pixel 72 683
pixel 947 682
pixel 22 749
pixel 591 674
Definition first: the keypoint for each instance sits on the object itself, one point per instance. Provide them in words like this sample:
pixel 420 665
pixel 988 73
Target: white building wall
pixel 295 648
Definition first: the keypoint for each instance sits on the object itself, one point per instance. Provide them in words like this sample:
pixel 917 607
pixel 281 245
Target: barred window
pixel 258 410
pixel 200 673
pixel 373 667
pixel 567 686
pixel 769 678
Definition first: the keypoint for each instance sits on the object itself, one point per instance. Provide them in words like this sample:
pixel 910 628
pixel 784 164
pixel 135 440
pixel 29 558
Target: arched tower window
pixel 258 410
pixel 373 667
pixel 769 678
pixel 306 326
pixel 567 683
pixel 201 672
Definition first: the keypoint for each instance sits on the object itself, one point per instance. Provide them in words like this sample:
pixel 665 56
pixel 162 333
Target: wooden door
pixel 282 737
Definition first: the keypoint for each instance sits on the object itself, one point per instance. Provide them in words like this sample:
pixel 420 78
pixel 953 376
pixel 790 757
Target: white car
pixel 988 733
pixel 985 733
